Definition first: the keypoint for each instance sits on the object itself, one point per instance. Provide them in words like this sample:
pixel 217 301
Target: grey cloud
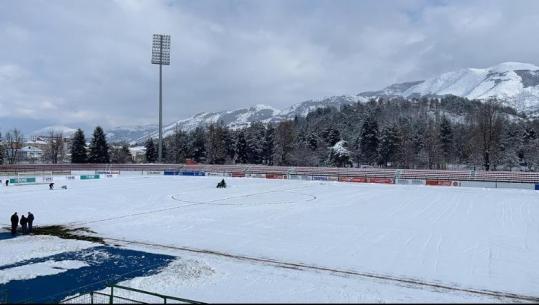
pixel 83 63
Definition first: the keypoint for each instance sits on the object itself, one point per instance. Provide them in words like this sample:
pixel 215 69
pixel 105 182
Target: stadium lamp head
pixel 161 49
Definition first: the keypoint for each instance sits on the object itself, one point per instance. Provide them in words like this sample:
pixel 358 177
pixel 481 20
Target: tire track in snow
pixel 302 266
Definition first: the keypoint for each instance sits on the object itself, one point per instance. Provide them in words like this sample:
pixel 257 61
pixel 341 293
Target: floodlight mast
pixel 161 56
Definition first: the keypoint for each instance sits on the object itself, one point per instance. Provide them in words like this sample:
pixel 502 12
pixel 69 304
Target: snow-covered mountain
pixel 516 84
pixel 129 133
pixel 240 118
pixel 45 131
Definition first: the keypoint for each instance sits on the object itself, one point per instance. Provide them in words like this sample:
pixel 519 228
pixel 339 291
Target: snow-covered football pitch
pixel 264 240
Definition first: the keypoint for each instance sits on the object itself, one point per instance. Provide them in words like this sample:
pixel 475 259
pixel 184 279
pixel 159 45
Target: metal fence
pixel 125 295
pixel 243 169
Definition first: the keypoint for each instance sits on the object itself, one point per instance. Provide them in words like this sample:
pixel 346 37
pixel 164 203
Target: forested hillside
pixel 434 133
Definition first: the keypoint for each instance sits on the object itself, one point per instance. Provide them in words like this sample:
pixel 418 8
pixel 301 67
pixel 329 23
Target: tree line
pixel 418 133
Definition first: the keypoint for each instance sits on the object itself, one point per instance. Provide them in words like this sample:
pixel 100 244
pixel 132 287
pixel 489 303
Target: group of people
pixel 25 221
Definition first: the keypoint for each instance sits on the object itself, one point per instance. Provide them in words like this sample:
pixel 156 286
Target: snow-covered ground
pixel 471 238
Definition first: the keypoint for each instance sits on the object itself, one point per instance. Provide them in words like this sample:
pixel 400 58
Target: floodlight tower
pixel 161 56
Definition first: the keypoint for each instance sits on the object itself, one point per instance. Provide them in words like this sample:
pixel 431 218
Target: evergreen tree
pixel 151 152
pixel 198 144
pixel 78 148
pixel 99 149
pixel 178 146
pixel 267 151
pixel 389 145
pixel 284 143
pixel 339 155
pixel 368 143
pixel 215 145
pixel 254 137
pixel 446 139
pixel 241 148
pixel 510 146
pixel 230 144
pixel 312 141
pixel 121 154
pixel 126 153
pixel 332 136
pixel 530 149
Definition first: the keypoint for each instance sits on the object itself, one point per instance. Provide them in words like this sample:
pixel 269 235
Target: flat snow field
pixel 323 237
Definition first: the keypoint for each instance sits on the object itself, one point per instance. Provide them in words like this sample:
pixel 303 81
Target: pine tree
pixel 284 143
pixel 215 145
pixel 530 148
pixel 79 153
pixel 254 137
pixel 339 155
pixel 241 148
pixel 332 136
pixel 230 143
pixel 151 152
pixel 368 143
pixel 510 145
pixel 389 146
pixel 446 140
pixel 198 144
pixel 121 154
pixel 267 151
pixel 99 149
pixel 177 146
pixel 312 141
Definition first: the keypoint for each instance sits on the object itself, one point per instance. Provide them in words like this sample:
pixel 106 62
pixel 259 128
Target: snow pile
pixel 25 247
pixel 31 271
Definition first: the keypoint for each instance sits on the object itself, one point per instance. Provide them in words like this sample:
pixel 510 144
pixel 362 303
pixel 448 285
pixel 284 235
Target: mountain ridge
pixel 515 83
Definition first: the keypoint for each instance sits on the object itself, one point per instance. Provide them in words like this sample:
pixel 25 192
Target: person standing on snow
pixel 24 223
pixel 14 223
pixel 30 221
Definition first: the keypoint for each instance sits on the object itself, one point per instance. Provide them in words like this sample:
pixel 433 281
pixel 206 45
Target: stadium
pixel 302 234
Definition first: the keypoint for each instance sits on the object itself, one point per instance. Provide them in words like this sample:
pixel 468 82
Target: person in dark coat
pixel 221 184
pixel 14 223
pixel 30 222
pixel 24 223
pixel 7 182
pixel 51 186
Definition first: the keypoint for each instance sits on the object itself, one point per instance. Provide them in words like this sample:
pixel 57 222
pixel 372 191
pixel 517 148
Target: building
pixel 138 153
pixel 31 154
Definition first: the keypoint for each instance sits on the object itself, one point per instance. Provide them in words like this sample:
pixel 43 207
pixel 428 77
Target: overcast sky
pixel 83 63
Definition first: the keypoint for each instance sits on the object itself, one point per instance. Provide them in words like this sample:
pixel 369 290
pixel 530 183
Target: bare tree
pixel 55 147
pixel 14 142
pixel 488 125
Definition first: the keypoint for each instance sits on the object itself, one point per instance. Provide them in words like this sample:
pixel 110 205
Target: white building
pixel 31 154
pixel 138 153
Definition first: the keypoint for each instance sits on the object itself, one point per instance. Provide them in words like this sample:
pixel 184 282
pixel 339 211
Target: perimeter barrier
pixel 23 174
